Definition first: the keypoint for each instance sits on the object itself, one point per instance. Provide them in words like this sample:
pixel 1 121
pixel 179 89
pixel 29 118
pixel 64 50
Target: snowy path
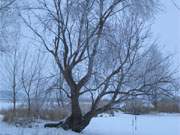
pixel 122 124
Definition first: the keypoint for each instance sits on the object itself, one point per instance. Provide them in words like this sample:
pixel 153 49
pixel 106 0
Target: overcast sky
pixel 167 28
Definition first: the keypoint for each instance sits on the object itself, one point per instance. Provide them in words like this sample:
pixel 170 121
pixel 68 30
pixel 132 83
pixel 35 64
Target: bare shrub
pixel 169 106
pixel 136 107
pixel 53 114
pixel 22 115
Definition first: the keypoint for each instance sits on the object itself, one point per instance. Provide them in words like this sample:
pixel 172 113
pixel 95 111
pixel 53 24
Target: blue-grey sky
pixel 167 28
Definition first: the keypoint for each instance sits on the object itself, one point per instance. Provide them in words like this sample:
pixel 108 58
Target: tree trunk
pixel 76 121
pixel 29 105
pixel 14 93
pixel 75 124
pixel 14 101
pixel 76 117
pixel 69 125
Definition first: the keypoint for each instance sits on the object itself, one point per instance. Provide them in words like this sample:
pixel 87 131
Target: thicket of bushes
pixel 136 107
pixel 169 106
pixel 23 115
pixel 163 105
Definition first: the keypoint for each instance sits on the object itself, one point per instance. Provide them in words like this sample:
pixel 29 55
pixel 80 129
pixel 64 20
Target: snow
pixel 7 129
pixel 122 124
pixel 125 124
pixel 104 124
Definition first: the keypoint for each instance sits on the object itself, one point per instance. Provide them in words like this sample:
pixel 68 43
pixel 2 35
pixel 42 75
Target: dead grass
pixel 23 114
pixel 168 107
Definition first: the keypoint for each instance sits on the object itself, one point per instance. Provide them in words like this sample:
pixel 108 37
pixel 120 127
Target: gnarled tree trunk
pixel 76 115
pixel 76 121
pixel 76 124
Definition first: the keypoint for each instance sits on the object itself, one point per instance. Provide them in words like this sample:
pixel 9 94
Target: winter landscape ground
pixel 119 124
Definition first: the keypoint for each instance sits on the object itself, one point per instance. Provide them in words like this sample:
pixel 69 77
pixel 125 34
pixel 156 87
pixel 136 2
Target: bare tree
pixel 40 87
pixel 162 67
pixel 10 72
pixel 11 61
pixel 7 22
pixel 155 68
pixel 23 75
pixel 14 80
pixel 95 44
pixel 31 76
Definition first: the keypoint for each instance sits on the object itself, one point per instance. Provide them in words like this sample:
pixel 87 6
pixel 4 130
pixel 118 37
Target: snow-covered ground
pixel 135 125
pixel 123 124
pixel 120 124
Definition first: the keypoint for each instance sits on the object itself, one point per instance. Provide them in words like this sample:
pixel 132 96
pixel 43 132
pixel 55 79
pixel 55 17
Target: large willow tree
pixel 95 44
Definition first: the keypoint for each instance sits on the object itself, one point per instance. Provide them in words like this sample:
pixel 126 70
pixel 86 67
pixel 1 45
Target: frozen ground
pixel 141 125
pixel 122 124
